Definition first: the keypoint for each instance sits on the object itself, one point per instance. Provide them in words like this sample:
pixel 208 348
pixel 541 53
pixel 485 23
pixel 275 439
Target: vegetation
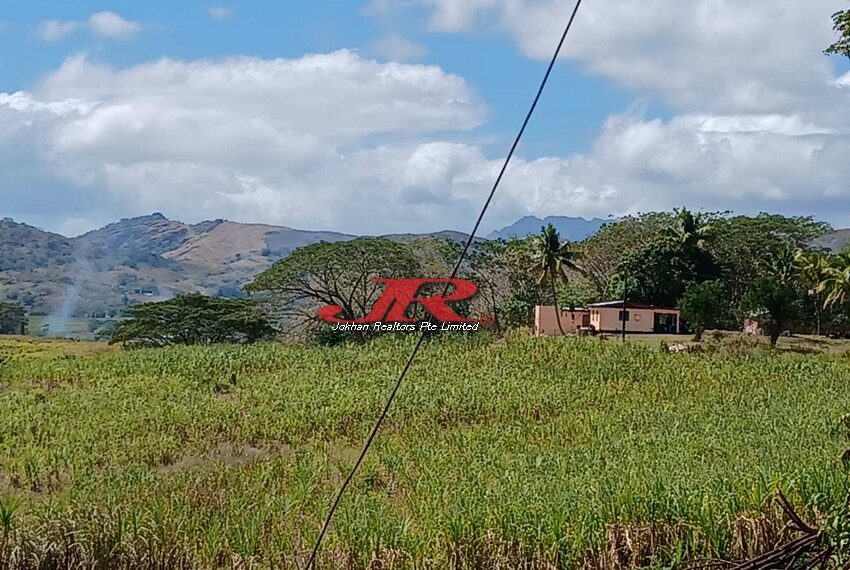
pixel 552 261
pixel 841 24
pixel 550 451
pixel 13 319
pixel 341 273
pixel 702 306
pixel 193 319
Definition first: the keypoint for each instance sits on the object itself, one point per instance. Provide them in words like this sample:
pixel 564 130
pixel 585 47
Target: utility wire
pixel 312 561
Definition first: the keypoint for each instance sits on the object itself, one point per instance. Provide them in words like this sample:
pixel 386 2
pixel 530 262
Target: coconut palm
pixel 552 260
pixel 781 264
pixel 814 271
pixel 690 231
pixel 837 283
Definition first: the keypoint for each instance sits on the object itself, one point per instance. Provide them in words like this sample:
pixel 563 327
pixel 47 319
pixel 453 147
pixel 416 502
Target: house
pixel 639 318
pixel 608 317
pixel 546 323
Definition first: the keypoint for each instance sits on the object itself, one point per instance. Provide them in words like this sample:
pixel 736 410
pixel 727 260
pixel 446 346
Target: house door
pixel 666 323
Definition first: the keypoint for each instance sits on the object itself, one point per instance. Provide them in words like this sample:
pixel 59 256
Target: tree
pixel 841 24
pixel 702 305
pixel 741 241
pixel 13 319
pixel 836 285
pixel 656 274
pixel 773 298
pixel 814 271
pixel 193 319
pixel 659 271
pixel 781 264
pixel 690 232
pixel 775 305
pixel 506 290
pixel 340 273
pixel 552 260
pixel 602 254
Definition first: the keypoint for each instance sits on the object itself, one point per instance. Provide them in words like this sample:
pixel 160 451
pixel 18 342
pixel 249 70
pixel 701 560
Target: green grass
pixel 529 451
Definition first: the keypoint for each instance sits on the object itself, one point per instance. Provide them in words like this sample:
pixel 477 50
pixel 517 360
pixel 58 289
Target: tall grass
pixel 534 452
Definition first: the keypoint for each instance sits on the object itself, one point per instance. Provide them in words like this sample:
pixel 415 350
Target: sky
pixel 385 116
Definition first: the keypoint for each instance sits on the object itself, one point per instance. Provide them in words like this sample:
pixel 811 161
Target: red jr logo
pixel 399 294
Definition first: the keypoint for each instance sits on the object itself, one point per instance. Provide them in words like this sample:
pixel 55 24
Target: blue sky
pixel 116 109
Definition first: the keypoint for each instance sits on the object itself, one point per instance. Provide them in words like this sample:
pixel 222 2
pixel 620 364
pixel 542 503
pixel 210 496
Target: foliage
pixel 340 273
pixel 775 305
pixel 702 305
pixel 553 260
pixel 659 271
pixel 841 24
pixel 526 453
pixel 327 336
pixel 604 252
pixel 13 318
pixel 741 241
pixel 192 319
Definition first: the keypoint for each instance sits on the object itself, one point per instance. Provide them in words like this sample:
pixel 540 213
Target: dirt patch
pixel 225 453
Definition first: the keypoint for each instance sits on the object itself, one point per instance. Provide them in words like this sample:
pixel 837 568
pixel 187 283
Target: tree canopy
pixel 193 319
pixel 13 318
pixel 841 24
pixel 340 273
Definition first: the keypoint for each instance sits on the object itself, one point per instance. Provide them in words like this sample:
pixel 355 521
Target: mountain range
pixel 153 258
pixel 571 229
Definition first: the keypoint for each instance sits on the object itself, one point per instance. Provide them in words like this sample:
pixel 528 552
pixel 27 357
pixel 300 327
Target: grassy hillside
pixel 545 452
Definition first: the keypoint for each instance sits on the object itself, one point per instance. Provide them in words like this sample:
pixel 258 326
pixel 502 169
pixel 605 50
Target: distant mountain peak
pixel 570 228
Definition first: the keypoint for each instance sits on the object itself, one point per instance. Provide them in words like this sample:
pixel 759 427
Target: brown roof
pixel 629 305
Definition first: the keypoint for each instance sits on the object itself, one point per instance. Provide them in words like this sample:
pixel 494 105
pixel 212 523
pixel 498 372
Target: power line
pixel 312 561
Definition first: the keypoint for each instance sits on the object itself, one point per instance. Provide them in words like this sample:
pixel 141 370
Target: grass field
pixel 534 453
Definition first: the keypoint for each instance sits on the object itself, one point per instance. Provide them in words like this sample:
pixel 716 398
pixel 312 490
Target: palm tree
pixel 691 235
pixel 837 283
pixel 814 271
pixel 552 261
pixel 781 264
pixel 691 232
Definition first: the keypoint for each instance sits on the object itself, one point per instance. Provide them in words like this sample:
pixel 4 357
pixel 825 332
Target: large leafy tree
pixel 13 318
pixel 659 271
pixel 193 319
pixel 340 273
pixel 506 289
pixel 702 305
pixel 604 252
pixel 741 241
pixel 841 24
pixel 553 259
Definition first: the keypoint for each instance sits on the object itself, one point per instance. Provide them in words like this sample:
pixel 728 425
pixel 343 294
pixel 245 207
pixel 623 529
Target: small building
pixel 608 317
pixel 546 323
pixel 639 318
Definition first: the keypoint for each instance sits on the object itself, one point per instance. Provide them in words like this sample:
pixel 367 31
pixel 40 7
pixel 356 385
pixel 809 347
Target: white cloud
pixel 339 141
pixel 219 12
pixel 763 121
pixel 55 30
pixel 283 141
pixel 396 47
pixel 723 55
pixel 112 25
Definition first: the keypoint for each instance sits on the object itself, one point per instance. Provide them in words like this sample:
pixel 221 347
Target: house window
pixel 623 317
pixel 637 317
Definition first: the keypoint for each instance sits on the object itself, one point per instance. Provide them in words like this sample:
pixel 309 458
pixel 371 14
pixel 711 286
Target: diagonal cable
pixel 312 561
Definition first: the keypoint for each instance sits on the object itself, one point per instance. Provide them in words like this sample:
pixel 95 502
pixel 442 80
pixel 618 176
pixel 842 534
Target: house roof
pixel 629 305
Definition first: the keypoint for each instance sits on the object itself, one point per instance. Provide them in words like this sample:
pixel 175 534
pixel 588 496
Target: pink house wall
pixel 546 324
